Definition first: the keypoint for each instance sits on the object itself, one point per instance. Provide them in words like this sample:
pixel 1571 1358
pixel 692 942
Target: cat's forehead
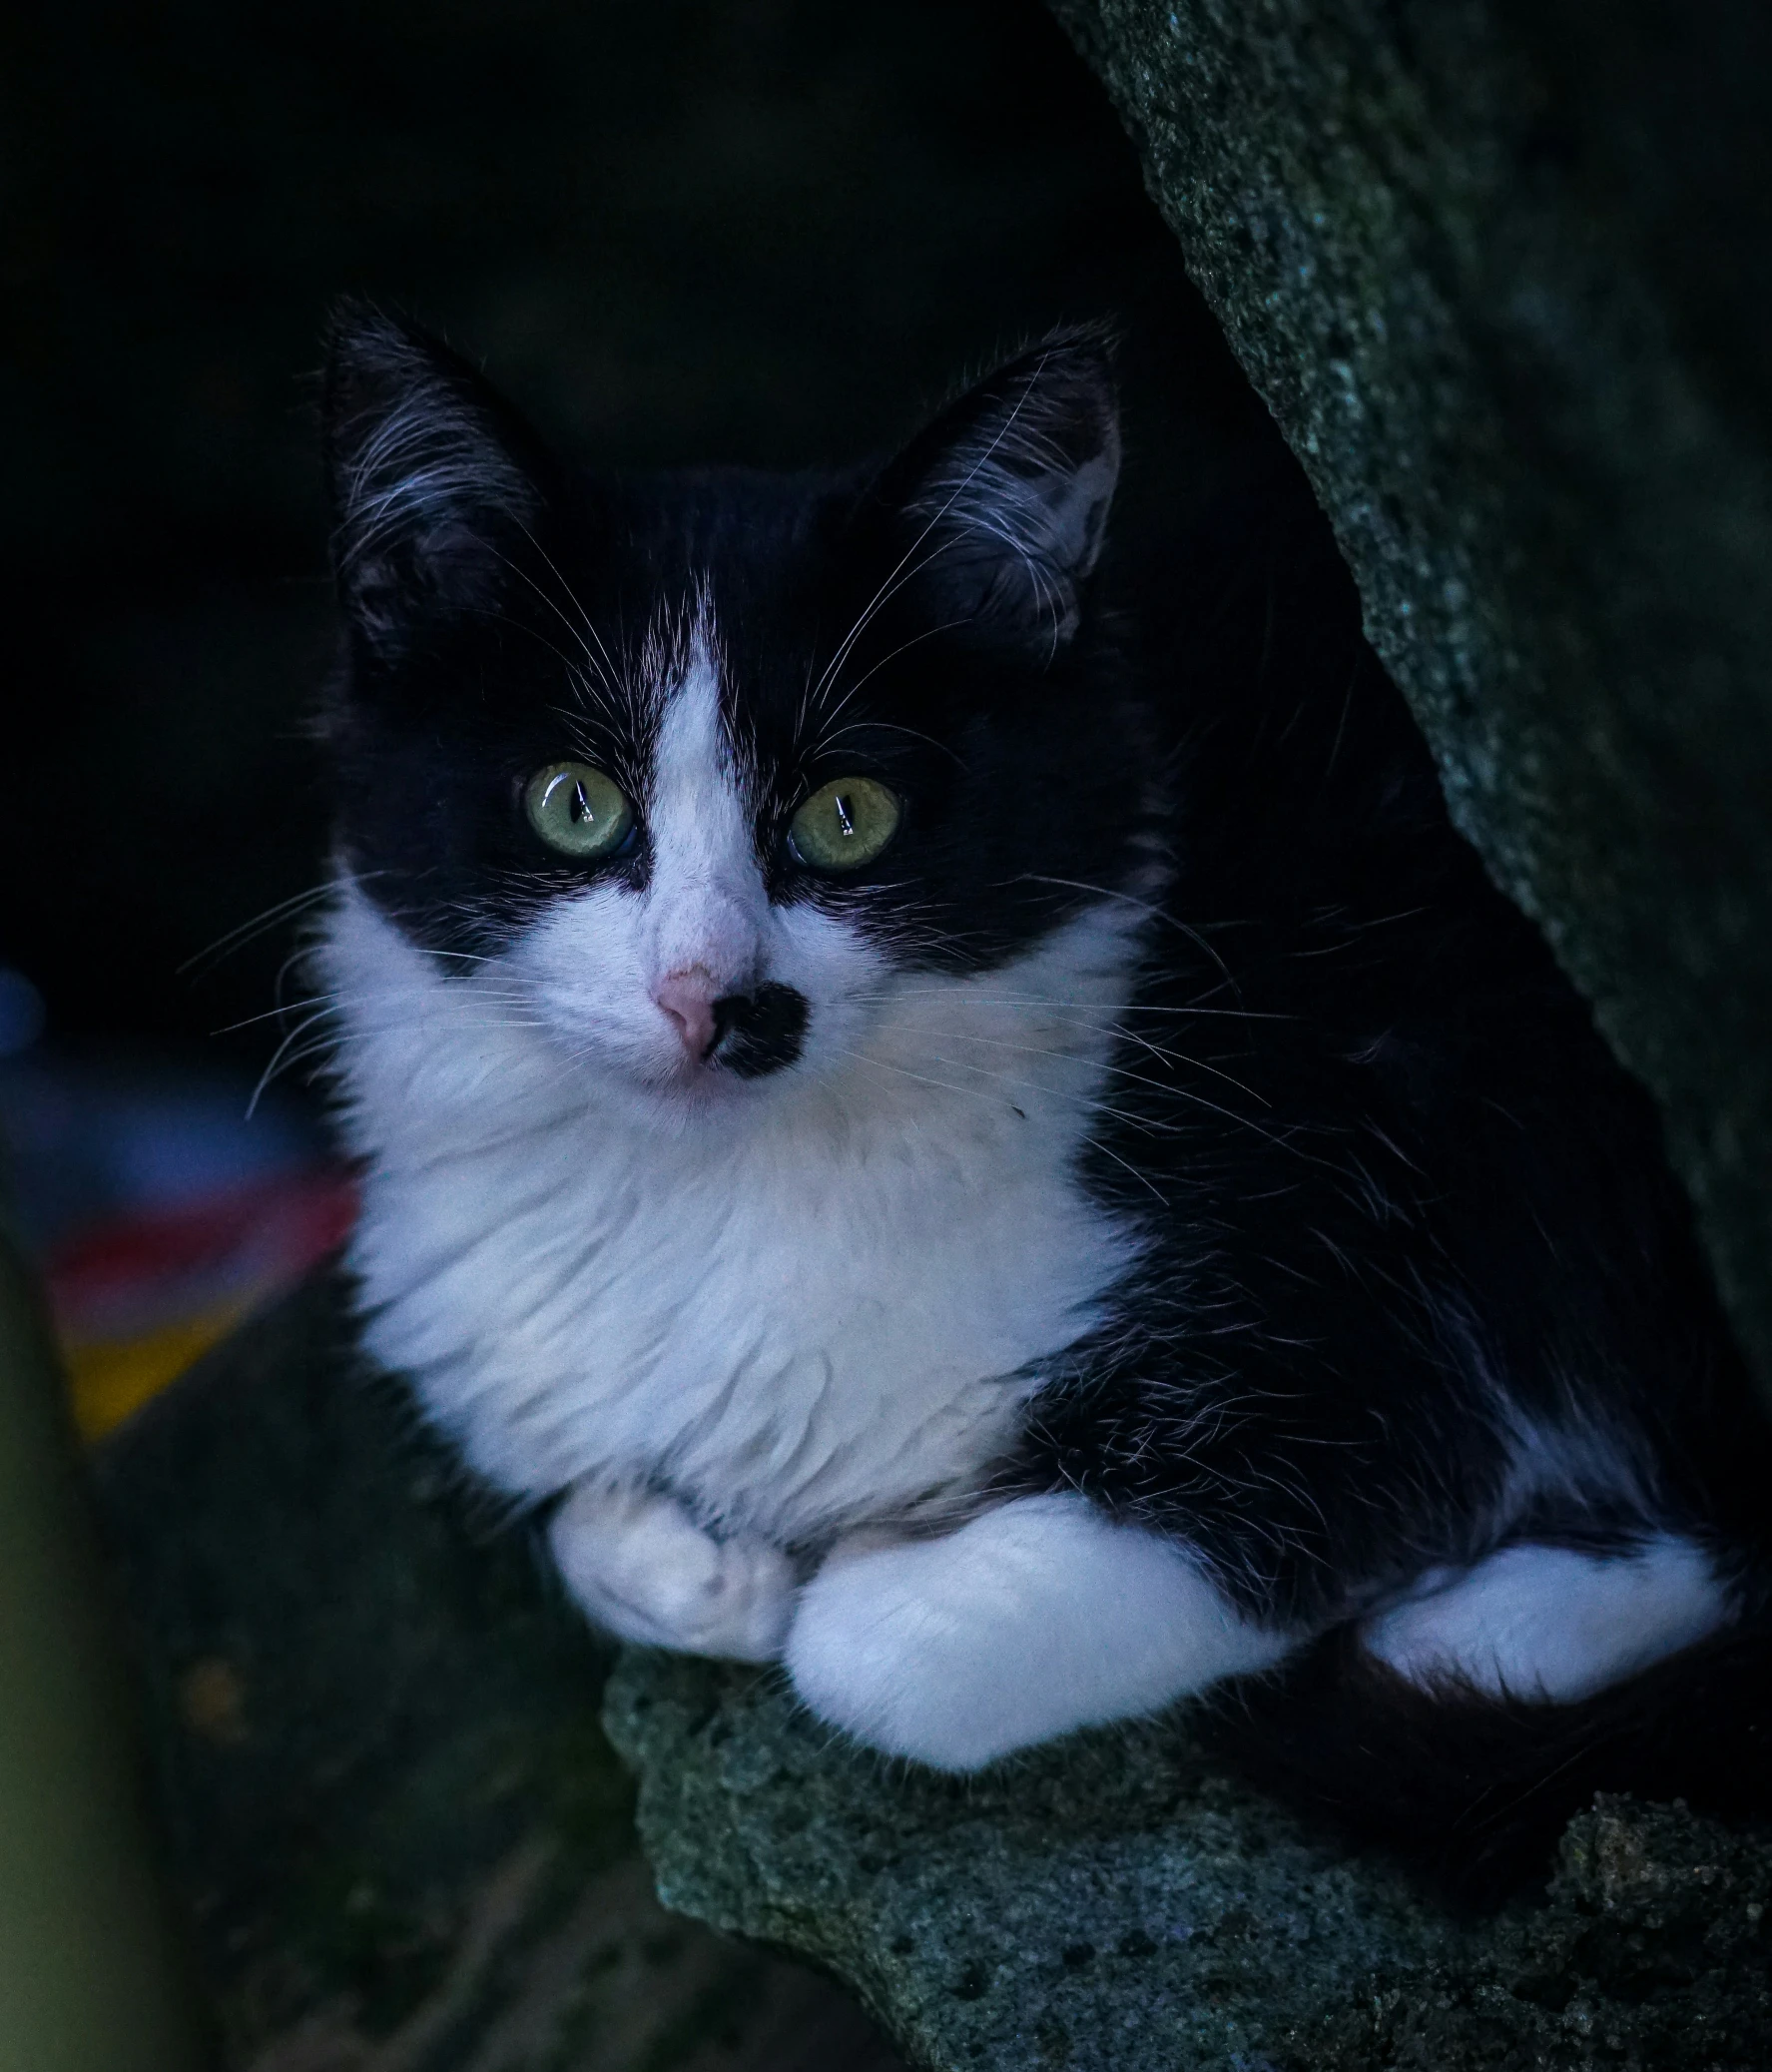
pixel 694 745
pixel 728 597
pixel 664 707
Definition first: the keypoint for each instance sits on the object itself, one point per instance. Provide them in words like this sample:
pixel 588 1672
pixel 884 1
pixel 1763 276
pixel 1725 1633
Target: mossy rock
pixel 1501 274
pixel 1116 1902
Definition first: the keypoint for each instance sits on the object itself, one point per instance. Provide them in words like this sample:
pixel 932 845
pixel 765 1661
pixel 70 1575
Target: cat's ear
pixel 434 480
pixel 1007 494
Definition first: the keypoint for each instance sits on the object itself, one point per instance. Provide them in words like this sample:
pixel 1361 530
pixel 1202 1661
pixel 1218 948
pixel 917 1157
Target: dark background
pixel 771 232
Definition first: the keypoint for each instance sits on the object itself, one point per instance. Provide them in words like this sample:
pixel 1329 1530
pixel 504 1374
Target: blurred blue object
pixel 87 1138
pixel 89 1142
pixel 21 1013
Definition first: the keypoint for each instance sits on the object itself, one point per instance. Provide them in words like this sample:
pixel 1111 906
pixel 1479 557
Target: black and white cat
pixel 939 1077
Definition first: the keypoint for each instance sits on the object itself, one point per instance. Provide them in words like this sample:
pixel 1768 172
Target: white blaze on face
pixel 706 909
pixel 627 978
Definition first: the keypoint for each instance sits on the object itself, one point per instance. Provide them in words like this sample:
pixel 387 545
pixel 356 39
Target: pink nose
pixel 686 998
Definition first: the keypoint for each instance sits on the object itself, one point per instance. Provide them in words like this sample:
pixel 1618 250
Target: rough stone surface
pixel 1499 271
pixel 1116 1903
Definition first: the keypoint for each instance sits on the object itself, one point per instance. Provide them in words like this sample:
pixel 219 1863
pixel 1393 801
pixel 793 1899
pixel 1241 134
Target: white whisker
pixel 247 931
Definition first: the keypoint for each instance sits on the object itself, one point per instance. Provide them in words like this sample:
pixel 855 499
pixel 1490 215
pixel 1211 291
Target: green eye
pixel 844 825
pixel 575 808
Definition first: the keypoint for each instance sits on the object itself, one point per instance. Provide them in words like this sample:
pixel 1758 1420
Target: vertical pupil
pixel 581 805
pixel 843 818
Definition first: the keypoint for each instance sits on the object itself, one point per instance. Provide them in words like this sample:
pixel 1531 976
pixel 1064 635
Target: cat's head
pixel 700 768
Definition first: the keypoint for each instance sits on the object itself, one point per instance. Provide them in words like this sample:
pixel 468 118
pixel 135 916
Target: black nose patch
pixel 759 1033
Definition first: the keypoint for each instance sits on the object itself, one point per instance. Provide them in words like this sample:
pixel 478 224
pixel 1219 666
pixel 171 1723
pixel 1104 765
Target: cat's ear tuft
pixel 434 478
pixel 1008 493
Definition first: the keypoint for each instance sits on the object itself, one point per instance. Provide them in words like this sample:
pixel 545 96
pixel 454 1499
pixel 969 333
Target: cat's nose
pixel 686 998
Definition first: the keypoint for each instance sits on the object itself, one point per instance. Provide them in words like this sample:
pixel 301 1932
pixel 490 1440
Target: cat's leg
pixel 1552 1623
pixel 1037 1616
pixel 638 1563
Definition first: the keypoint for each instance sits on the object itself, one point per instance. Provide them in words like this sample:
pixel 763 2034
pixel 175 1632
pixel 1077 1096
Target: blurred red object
pixel 137 1299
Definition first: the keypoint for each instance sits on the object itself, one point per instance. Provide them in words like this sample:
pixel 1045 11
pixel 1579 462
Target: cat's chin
pixel 705 1089
pixel 680 1098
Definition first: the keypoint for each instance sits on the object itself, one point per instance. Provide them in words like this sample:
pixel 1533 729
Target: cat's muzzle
pixel 758 1032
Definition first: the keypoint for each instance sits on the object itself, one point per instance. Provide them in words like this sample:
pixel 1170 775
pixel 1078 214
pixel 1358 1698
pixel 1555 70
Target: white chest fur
pixel 805 1310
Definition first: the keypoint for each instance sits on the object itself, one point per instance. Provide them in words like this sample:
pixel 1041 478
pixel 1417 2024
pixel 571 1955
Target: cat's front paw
pixel 638 1563
pixel 1042 1615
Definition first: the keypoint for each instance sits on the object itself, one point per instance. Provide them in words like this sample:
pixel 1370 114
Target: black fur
pixel 1472 1793
pixel 1405 1209
pixel 761 1031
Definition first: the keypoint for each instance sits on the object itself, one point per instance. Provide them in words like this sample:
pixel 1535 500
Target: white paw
pixel 1552 1623
pixel 639 1565
pixel 1033 1619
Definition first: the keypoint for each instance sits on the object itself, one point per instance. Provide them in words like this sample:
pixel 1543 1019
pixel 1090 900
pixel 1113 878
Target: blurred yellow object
pixel 109 1379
